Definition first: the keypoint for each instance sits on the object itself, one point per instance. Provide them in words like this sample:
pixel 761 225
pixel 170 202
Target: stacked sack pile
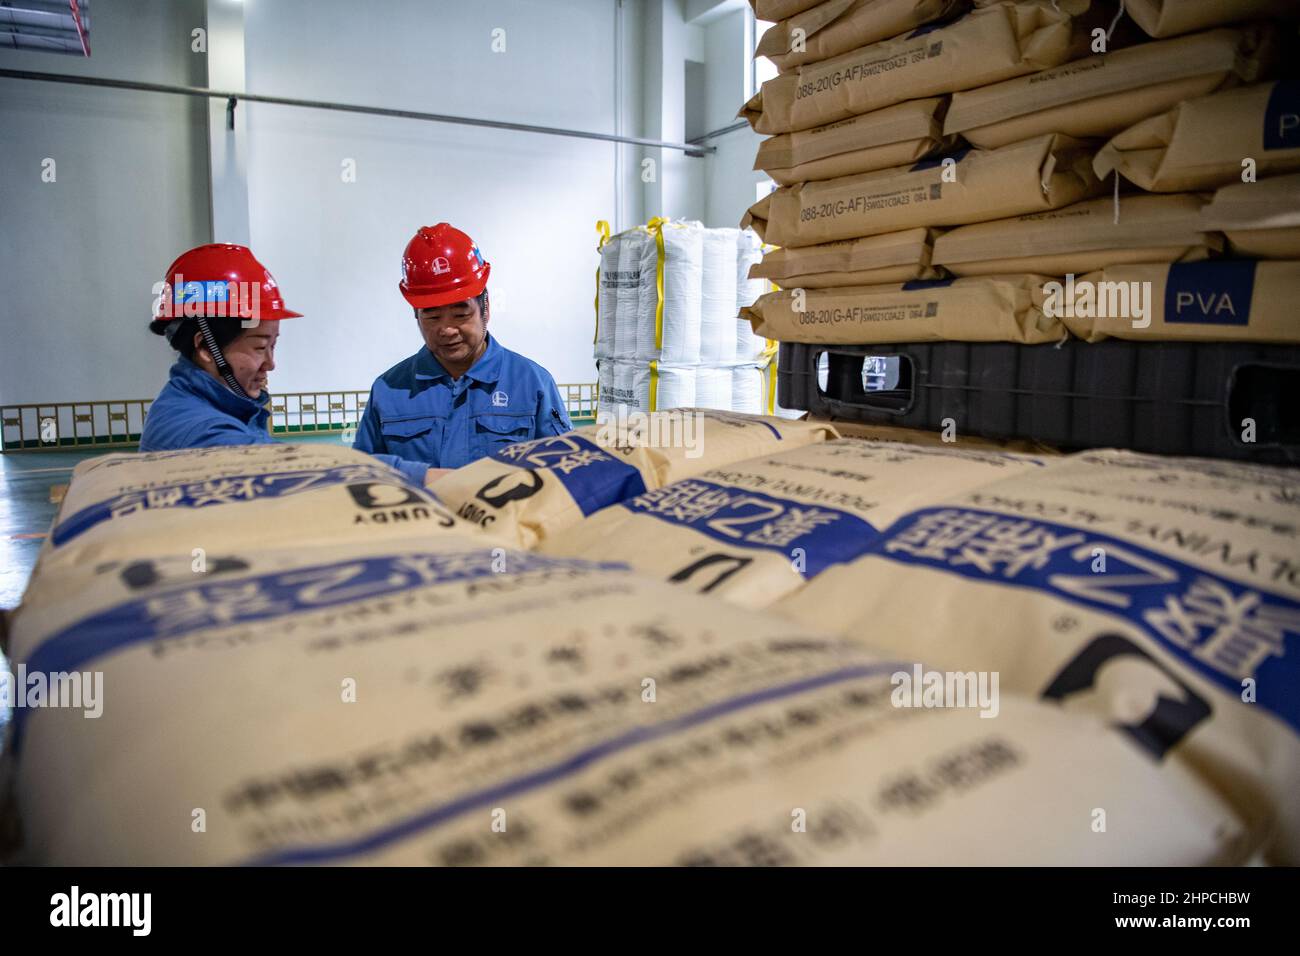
pixel 668 332
pixel 942 167
pixel 1105 582
pixel 306 660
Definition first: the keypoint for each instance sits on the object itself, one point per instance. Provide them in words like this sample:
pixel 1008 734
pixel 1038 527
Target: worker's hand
pixel 433 474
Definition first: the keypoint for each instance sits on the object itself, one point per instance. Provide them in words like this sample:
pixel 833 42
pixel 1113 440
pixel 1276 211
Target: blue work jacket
pixel 195 410
pixel 420 414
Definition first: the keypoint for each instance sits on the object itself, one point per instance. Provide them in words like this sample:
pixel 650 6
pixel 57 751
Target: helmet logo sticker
pixel 500 399
pixel 441 265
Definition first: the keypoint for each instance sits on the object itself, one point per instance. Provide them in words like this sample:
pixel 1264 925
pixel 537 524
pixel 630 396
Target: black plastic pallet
pixel 1170 398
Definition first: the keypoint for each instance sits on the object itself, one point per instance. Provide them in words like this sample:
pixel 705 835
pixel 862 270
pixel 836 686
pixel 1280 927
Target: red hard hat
pixel 442 265
pixel 220 280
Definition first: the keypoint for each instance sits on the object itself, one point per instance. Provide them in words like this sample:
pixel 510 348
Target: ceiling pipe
pixel 688 148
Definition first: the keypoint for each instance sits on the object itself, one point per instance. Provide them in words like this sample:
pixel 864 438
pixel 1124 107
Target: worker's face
pixel 456 334
pixel 251 357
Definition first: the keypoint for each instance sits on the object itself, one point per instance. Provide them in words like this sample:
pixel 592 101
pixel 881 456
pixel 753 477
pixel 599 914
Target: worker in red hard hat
pixel 463 395
pixel 221 311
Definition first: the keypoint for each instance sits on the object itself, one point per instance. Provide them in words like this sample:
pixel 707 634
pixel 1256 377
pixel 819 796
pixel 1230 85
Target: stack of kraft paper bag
pixel 1028 172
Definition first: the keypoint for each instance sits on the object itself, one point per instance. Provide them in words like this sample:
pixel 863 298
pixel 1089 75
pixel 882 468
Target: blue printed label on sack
pixel 218 491
pixel 1210 293
pixel 592 476
pixel 745 519
pixel 1282 117
pixel 173 613
pixel 1224 630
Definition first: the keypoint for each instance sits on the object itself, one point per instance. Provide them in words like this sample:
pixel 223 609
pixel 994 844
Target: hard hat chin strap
pixel 223 367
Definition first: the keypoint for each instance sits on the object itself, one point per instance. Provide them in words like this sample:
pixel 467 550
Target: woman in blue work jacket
pixel 463 395
pixel 221 311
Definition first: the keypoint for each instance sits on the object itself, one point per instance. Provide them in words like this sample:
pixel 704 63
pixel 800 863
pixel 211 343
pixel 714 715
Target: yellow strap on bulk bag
pixel 655 226
pixel 654 385
pixel 602 230
pixel 769 357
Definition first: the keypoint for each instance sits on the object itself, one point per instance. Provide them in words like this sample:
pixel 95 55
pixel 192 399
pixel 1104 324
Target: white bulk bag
pixel 607 293
pixel 748 389
pixel 749 251
pixel 672 256
pixel 629 281
pixel 713 388
pixel 718 310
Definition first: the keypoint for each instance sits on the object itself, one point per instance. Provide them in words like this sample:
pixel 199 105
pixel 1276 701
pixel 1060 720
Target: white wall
pixel 677 190
pixel 79 256
pixel 133 184
pixel 530 201
pixel 730 181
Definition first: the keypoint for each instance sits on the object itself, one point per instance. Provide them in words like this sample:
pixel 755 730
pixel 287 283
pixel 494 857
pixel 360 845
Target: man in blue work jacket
pixel 463 396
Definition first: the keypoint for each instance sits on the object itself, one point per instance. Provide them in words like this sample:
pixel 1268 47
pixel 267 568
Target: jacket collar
pixel 188 377
pixel 486 371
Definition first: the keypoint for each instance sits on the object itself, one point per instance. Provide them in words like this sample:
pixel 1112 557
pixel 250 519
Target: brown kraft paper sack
pixel 895 136
pixel 979 309
pixel 1161 594
pixel 1167 18
pixel 775 10
pixel 983 47
pixel 1043 173
pixel 494 682
pixel 1081 238
pixel 1223 300
pixel 1260 219
pixel 874 260
pixel 530 490
pixel 1101 95
pixel 838 26
pixel 755 531
pixel 1206 142
pixel 899 434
